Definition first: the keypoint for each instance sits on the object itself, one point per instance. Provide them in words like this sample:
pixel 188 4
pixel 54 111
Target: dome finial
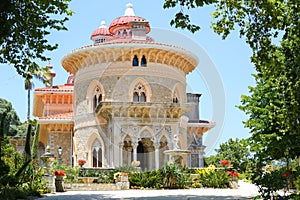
pixel 129 10
pixel 103 24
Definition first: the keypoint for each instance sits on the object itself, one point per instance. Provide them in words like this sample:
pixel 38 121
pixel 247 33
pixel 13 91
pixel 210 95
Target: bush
pixel 173 176
pixel 149 179
pixel 210 177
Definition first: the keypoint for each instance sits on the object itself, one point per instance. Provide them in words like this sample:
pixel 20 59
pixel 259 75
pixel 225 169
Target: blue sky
pixel 224 65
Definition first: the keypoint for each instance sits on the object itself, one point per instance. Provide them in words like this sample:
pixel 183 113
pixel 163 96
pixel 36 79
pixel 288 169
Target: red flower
pixel 236 174
pixel 231 173
pixel 224 162
pixel 81 161
pixel 288 173
pixel 59 172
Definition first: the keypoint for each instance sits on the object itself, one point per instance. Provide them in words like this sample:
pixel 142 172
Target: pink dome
pixel 127 19
pixel 102 30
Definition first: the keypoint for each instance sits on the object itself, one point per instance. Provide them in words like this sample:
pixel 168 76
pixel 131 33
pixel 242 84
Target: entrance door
pixel 141 155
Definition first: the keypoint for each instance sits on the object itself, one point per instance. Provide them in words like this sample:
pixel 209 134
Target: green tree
pixel 272 30
pixel 24 27
pixel 10 118
pixel 236 151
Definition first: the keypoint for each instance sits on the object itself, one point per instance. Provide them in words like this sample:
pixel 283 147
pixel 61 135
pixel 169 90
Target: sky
pixel 222 76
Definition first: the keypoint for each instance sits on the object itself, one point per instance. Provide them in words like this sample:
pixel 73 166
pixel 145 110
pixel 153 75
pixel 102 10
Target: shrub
pixel 149 179
pixel 173 176
pixel 210 177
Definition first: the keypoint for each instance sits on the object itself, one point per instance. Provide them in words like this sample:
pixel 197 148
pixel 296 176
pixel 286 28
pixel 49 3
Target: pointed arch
pixel 135 61
pixel 95 94
pixel 96 150
pixel 178 94
pixel 127 137
pixel 143 61
pixel 143 132
pixel 164 135
pixel 140 91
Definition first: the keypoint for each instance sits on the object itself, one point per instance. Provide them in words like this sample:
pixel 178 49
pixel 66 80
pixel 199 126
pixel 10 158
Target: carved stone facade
pixel 124 101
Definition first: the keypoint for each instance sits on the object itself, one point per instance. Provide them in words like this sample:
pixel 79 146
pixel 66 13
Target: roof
pixel 57 88
pixel 128 18
pixel 101 31
pixel 201 123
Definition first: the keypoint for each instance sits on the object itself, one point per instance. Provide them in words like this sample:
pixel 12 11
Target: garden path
pixel 245 191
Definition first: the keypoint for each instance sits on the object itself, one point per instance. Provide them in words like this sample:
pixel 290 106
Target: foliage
pixel 271 29
pixel 173 176
pixel 147 179
pixel 233 153
pixel 211 177
pixel 126 168
pixel 270 182
pixel 10 117
pixel 24 27
pixel 40 73
pixel 19 172
pixel 100 175
pixel 72 174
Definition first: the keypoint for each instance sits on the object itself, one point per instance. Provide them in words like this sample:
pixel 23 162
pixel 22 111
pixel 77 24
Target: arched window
pixel 143 61
pixel 135 97
pixel 139 93
pixel 175 97
pixel 143 97
pixel 135 61
pixel 97 154
pixel 97 98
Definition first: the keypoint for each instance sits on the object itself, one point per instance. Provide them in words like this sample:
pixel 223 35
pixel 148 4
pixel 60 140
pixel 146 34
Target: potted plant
pixel 59 177
pixel 234 179
pixel 81 162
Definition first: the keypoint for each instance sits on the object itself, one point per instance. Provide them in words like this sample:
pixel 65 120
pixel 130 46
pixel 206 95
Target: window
pixel 97 98
pixel 97 154
pixel 135 97
pixel 139 93
pixel 143 97
pixel 175 97
pixel 143 61
pixel 135 61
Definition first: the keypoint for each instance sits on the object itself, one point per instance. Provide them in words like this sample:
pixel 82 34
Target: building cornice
pixel 86 56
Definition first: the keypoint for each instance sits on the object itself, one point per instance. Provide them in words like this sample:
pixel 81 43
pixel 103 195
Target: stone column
pixel 134 146
pixel 156 156
pixel 201 161
pixel 121 154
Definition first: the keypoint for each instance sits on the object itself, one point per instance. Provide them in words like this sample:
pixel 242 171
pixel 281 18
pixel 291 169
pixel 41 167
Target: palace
pixel 124 101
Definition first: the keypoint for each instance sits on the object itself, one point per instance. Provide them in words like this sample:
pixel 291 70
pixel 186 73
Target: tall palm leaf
pixel 40 73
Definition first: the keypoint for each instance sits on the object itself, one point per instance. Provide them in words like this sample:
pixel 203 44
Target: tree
pixel 42 74
pixel 236 151
pixel 274 103
pixel 24 27
pixel 272 30
pixel 9 117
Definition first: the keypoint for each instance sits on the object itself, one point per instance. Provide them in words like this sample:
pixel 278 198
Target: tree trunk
pixel 28 105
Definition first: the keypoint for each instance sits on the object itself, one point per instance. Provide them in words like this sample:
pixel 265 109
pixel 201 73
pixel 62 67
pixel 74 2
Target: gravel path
pixel 245 191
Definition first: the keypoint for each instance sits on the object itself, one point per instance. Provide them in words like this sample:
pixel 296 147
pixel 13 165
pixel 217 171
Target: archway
pixel 145 154
pixel 163 146
pixel 127 151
